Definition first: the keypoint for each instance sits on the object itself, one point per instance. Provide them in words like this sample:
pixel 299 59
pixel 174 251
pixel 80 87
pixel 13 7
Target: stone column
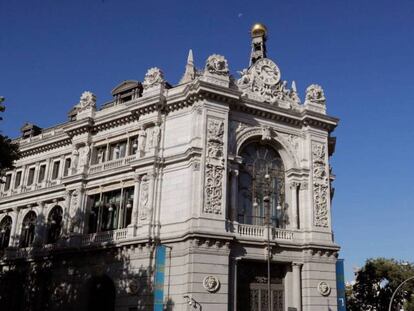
pixel 234 193
pixel 14 236
pixel 296 286
pixel 294 205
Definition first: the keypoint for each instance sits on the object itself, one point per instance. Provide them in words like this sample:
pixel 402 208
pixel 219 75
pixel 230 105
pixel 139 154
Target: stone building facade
pixel 227 173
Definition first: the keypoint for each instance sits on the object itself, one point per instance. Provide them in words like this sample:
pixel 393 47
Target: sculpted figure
pixel 156 135
pixel 142 134
pixel 83 156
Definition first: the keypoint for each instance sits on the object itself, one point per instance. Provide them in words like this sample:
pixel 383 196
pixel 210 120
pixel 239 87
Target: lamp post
pixel 396 290
pixel 266 203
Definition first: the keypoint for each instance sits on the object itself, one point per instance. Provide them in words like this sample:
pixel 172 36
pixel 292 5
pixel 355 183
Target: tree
pixel 9 151
pixel 375 284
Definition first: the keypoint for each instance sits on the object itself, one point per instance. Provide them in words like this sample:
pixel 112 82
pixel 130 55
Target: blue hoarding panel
pixel 159 278
pixel 340 285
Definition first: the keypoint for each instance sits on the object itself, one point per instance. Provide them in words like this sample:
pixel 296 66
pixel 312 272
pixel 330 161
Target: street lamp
pixel 395 292
pixel 266 203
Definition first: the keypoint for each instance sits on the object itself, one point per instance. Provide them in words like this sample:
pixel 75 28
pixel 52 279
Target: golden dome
pixel 258 30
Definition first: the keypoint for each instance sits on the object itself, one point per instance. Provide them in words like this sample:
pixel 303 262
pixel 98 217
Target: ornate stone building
pixel 229 174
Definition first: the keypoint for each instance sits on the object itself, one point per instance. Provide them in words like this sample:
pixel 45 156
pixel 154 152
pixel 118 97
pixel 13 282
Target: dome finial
pixel 258 30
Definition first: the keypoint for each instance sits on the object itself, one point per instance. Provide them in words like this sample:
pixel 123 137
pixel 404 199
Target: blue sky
pixel 360 51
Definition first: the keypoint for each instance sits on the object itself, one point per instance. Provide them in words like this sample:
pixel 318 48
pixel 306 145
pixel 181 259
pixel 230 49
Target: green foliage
pixel 375 284
pixel 9 151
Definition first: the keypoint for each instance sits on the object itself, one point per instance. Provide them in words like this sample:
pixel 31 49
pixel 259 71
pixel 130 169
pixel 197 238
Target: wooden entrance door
pixel 258 297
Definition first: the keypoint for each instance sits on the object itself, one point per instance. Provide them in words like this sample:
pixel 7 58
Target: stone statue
pixel 156 135
pixel 83 156
pixel 142 134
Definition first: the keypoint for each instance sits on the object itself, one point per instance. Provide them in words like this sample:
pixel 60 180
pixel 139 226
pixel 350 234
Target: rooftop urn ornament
pixel 315 94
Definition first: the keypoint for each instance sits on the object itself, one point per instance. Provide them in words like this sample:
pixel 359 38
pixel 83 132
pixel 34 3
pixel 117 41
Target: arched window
pixel 54 222
pixel 28 229
pixel 262 176
pixel 5 229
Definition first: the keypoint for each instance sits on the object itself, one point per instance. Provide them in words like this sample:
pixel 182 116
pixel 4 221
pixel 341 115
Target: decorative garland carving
pixel 320 185
pixel 214 167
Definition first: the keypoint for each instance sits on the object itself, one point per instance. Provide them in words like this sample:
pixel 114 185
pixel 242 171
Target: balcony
pixel 96 168
pixel 87 240
pixel 260 232
pixel 104 237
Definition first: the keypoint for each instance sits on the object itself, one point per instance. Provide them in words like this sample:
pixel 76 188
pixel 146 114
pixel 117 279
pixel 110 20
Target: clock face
pixel 267 71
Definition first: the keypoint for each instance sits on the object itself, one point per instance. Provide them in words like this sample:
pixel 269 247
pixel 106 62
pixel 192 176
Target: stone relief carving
pixel 87 100
pixel 262 82
pixel 211 283
pixel 153 77
pixel 217 64
pixel 314 94
pixel 320 185
pixel 291 139
pixel 214 167
pixel 144 200
pixel 324 289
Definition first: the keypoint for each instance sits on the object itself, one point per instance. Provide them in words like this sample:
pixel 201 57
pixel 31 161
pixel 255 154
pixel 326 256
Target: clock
pixel 266 71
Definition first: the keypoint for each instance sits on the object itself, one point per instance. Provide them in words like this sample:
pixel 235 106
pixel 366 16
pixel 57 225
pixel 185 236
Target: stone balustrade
pixel 254 231
pixel 96 168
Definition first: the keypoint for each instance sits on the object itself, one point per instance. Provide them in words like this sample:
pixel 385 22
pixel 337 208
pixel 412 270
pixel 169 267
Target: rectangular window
pixel 30 178
pixel 67 167
pixel 55 172
pixel 7 183
pixel 110 210
pixel 42 171
pixel 18 179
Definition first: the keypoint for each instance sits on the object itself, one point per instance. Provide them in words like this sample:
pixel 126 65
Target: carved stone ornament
pixel 144 200
pixel 324 289
pixel 314 94
pixel 87 100
pixel 211 283
pixel 217 64
pixel 133 287
pixel 214 167
pixel 262 82
pixel 266 133
pixel 320 185
pixel 153 77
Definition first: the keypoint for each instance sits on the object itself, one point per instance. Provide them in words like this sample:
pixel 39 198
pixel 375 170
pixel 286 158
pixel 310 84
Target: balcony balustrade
pixel 255 231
